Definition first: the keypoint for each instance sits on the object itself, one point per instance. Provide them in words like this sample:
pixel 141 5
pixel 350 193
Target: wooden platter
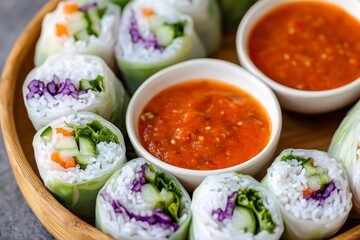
pixel 299 131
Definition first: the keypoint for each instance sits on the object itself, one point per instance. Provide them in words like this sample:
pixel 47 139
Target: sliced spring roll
pixel 141 201
pixel 84 26
pixel 76 155
pixel 234 206
pixel 232 12
pixel 152 36
pixel 345 146
pixel 68 83
pixel 207 20
pixel 312 192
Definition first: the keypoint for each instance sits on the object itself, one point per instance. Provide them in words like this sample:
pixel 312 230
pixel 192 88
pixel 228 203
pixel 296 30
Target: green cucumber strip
pixel 244 219
pixel 82 160
pixel 87 146
pixel 165 35
pixel 151 195
pixel 252 200
pixel 66 143
pixel 46 135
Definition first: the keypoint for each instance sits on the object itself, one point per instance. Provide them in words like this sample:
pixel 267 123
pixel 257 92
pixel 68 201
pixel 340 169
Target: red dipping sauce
pixel 307 45
pixel 204 125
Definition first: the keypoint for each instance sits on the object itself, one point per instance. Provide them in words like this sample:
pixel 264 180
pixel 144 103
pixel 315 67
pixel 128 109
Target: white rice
pixel 136 52
pixel 108 156
pixel 287 181
pixel 74 67
pixel 213 194
pixel 120 225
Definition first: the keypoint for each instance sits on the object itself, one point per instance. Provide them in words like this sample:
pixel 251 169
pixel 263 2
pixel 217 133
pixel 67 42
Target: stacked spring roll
pixel 233 206
pixel 76 155
pixel 142 202
pixel 152 36
pixel 232 12
pixel 69 83
pixel 312 192
pixel 345 146
pixel 83 26
pixel 207 20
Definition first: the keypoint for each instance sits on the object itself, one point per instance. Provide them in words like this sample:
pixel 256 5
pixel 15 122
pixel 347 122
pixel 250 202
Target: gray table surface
pixel 17 221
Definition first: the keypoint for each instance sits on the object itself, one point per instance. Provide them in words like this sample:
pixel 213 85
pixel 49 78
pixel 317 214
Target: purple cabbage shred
pixel 54 88
pixel 87 7
pixel 137 38
pixel 228 212
pixel 156 218
pixel 323 193
pixel 137 183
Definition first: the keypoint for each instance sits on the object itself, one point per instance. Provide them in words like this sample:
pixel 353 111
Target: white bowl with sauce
pixel 302 101
pixel 221 72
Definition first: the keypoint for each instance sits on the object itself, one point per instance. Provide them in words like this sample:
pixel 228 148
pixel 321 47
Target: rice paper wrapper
pixel 344 147
pixel 110 103
pixel 102 45
pixel 77 193
pixel 113 214
pixel 138 52
pixel 214 204
pixel 207 20
pixel 314 225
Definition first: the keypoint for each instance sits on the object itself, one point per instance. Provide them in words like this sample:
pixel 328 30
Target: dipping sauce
pixel 308 46
pixel 203 124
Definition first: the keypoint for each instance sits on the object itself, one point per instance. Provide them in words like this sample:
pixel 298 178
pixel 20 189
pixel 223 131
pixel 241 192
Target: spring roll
pixel 69 83
pixel 345 146
pixel 76 155
pixel 234 206
pixel 84 26
pixel 312 192
pixel 141 201
pixel 207 20
pixel 152 36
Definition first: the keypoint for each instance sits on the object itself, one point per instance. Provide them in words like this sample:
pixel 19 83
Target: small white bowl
pixel 221 71
pixel 290 98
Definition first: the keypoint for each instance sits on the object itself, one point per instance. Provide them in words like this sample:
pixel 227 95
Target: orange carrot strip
pixel 70 8
pixel 61 29
pixel 70 163
pixel 308 192
pixel 147 12
pixel 55 156
pixel 63 131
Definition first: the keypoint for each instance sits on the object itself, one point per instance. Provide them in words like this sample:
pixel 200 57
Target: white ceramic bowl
pixel 221 71
pixel 290 98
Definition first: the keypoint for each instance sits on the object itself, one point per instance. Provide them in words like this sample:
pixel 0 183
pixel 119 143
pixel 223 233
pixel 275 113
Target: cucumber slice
pixel 150 177
pixel 165 35
pixel 95 22
pixel 167 196
pixel 84 85
pixel 155 22
pixel 324 180
pixel 69 152
pixel 77 22
pixel 152 196
pixel 81 35
pixel 66 143
pixel 309 169
pixel 87 146
pixel 244 219
pixel 46 135
pixel 82 160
